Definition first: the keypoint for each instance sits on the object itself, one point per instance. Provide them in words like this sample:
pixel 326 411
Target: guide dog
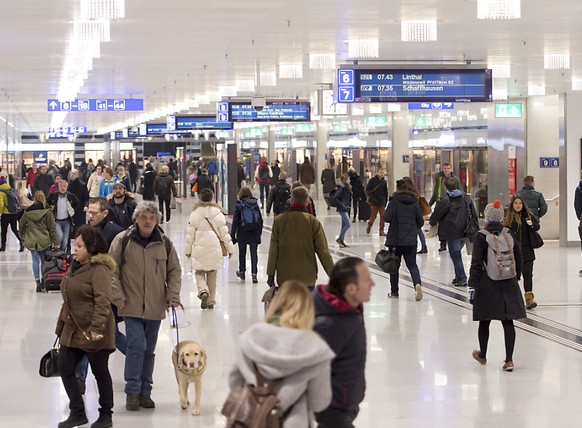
pixel 189 359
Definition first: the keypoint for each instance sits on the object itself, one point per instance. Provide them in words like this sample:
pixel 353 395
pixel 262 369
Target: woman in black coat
pixel 494 300
pixel 358 192
pixel 328 182
pixel 519 219
pixel 403 214
pixel 147 181
pixel 342 199
pixel 252 238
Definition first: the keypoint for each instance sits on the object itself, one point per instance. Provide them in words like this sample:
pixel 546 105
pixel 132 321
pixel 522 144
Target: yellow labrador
pixel 189 359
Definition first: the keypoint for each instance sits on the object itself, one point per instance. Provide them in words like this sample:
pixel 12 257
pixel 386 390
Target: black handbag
pixel 535 239
pixel 388 261
pixel 49 363
pixel 472 226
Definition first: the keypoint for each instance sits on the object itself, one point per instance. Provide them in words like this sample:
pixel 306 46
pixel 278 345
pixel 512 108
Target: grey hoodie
pixel 302 359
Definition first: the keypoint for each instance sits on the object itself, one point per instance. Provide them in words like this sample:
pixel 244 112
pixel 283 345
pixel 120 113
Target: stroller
pixel 54 266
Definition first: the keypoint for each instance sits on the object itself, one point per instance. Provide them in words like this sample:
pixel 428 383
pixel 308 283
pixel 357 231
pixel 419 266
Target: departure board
pixel 184 123
pixel 381 85
pixel 274 111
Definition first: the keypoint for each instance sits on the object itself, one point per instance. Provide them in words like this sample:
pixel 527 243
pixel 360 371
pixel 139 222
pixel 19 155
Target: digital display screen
pixel 381 85
pixel 184 123
pixel 274 111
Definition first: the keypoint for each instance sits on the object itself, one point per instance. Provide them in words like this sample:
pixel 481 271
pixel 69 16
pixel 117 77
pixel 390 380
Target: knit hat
pixel 494 211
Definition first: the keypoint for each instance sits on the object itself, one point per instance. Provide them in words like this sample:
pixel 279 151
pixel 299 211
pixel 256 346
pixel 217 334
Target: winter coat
pixel 123 180
pixel 106 187
pixel 110 230
pixel 94 184
pixel 38 228
pixel 171 188
pixel 450 214
pixel 4 199
pixel 534 200
pixel 328 180
pixel 494 300
pixel 521 233
pixel 147 181
pixel 25 202
pixel 275 170
pixel 300 358
pixel 53 199
pixel 278 196
pixel 439 191
pixel 147 277
pixel 260 167
pixel 30 177
pixel 309 208
pixel 358 191
pixel 122 214
pixel 132 172
pixel 204 182
pixel 578 200
pixel 43 182
pixel 405 218
pixel 296 238
pixel 307 173
pixel 342 327
pixel 202 242
pixel 239 235
pixel 342 198
pixel 377 191
pixel 87 305
pixel 79 189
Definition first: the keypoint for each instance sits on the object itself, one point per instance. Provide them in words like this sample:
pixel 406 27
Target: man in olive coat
pixel 295 240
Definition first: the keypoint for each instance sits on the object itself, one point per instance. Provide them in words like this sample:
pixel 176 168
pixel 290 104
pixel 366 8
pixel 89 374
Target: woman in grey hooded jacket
pixel 285 347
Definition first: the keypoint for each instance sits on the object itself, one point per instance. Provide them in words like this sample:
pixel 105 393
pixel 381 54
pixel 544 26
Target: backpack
pixel 250 216
pixel 163 186
pixel 254 406
pixel 125 241
pixel 282 195
pixel 264 173
pixel 332 200
pixel 13 204
pixel 500 258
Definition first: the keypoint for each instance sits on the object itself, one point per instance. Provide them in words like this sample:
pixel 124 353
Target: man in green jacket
pixel 535 200
pixel 295 240
pixel 439 192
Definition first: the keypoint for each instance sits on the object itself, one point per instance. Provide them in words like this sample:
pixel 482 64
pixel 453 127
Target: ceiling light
pixel 92 30
pixel 227 91
pixel 418 30
pixel 363 48
pixel 322 61
pixel 557 61
pixel 536 90
pixel 268 78
pixel 499 9
pixel 102 9
pixel 245 85
pixel 290 71
pixel 501 71
pixel 577 84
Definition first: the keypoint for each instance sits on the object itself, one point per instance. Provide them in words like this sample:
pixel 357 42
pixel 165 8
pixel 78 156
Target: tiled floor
pixel 419 371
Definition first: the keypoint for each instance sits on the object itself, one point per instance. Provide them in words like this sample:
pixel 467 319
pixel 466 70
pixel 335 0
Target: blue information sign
pixel 40 157
pixel 222 113
pixel 274 111
pixel 184 123
pixel 549 162
pixel 156 128
pixel 106 104
pixel 346 91
pixel 431 106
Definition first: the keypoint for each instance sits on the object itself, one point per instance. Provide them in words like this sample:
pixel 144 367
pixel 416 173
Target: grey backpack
pixel 500 258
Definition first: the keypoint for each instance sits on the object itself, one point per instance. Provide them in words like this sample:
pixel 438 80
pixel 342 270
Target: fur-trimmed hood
pixel 206 204
pixel 105 260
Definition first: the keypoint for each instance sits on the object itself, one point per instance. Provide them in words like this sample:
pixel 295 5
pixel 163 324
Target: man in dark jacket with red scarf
pixel 339 321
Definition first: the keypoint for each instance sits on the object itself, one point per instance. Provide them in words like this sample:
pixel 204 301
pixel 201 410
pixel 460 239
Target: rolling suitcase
pixel 54 266
pixel 364 210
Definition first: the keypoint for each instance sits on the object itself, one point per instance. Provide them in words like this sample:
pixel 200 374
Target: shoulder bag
pixel 386 258
pixel 222 244
pixel 49 362
pixel 472 226
pixel 425 208
pixel 535 239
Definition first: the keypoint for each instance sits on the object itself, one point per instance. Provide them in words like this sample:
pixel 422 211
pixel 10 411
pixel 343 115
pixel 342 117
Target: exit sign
pixel 508 110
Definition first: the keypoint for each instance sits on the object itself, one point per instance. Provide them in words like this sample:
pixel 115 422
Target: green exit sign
pixel 376 121
pixel 303 127
pixel 508 110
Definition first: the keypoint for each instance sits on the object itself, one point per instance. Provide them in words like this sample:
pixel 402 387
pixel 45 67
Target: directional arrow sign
pixel 53 105
pixel 109 104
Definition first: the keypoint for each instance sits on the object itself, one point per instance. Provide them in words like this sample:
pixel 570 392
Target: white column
pixel 321 137
pixel 400 148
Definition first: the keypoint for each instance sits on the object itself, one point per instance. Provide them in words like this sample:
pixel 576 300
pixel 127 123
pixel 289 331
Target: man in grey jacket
pixel 535 200
pixel 147 282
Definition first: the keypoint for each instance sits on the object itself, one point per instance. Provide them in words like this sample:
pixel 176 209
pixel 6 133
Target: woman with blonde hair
pixel 285 347
pixel 38 230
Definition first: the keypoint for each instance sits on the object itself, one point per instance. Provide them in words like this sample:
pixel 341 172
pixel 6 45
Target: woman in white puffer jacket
pixel 206 230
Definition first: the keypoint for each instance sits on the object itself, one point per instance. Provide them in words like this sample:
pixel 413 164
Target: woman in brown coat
pixel 86 325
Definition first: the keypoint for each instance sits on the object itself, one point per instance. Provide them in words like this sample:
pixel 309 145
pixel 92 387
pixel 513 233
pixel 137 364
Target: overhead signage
pixel 273 111
pixel 222 112
pixel 156 128
pixel 431 106
pixel 185 123
pixel 105 104
pixel 40 157
pixel 549 162
pixel 65 132
pixel 508 110
pixel 389 85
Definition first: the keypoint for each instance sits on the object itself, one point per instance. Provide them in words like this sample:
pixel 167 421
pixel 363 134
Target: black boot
pixel 21 247
pixel 104 421
pixel 423 250
pixel 74 421
pixel 3 247
pixel 38 287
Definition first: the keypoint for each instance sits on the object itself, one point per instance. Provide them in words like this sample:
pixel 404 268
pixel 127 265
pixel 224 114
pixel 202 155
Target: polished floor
pixel 419 369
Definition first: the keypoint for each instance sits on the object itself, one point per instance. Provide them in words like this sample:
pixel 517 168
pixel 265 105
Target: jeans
pixel 63 231
pixel 68 360
pixel 142 337
pixel 161 202
pixel 422 237
pixel 37 258
pixel 527 273
pixel 242 255
pixel 345 224
pixel 206 283
pixel 408 252
pixel 374 211
pixel 336 418
pixel 264 190
pixel 9 220
pixel 455 247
